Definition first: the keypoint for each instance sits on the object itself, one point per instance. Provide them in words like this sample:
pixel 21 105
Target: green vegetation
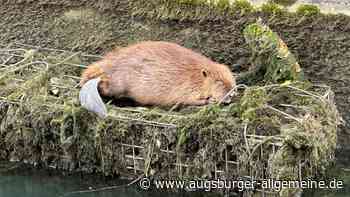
pixel 223 4
pixel 308 10
pixel 197 9
pixel 243 5
pixel 283 2
pixel 271 57
pixel 272 8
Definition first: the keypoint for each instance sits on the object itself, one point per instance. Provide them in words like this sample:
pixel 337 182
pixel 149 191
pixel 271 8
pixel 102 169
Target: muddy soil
pixel 320 43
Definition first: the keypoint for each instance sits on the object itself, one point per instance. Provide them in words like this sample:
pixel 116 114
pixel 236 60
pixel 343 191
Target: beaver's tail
pixel 93 71
pixel 89 94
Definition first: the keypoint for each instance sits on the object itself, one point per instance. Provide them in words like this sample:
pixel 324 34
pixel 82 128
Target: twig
pixel 9 50
pixel 293 106
pixel 68 58
pixel 232 91
pixel 73 77
pixel 104 188
pixel 149 154
pixel 306 92
pixel 5 61
pixel 260 144
pixel 283 113
pixel 146 122
pixel 60 50
pixel 144 111
pixel 153 123
pixel 17 63
pixel 269 86
pixel 245 137
pixel 11 168
pixel 23 66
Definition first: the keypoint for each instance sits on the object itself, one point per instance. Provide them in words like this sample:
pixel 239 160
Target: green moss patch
pixel 308 10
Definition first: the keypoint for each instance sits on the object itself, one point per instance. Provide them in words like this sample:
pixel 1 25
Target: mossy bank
pixel 320 43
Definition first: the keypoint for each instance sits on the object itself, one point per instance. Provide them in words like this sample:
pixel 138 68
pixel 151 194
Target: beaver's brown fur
pixel 161 73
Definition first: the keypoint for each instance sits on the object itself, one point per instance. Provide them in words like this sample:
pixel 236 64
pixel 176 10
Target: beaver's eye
pixel 205 73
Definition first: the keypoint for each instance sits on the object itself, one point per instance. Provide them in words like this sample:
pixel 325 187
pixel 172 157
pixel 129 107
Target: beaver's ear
pixel 204 72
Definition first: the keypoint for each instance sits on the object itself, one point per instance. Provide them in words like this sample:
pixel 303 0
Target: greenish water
pixel 29 182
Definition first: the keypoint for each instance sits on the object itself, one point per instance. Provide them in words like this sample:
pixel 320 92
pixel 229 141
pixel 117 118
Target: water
pixel 29 182
pixel 340 173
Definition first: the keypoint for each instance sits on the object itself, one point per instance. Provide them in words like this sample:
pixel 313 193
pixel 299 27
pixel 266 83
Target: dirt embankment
pixel 320 43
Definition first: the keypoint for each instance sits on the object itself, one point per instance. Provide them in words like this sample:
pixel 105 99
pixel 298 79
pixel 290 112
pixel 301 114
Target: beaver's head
pixel 218 82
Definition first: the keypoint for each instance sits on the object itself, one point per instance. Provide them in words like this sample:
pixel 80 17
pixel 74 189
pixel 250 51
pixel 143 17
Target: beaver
pixel 155 73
